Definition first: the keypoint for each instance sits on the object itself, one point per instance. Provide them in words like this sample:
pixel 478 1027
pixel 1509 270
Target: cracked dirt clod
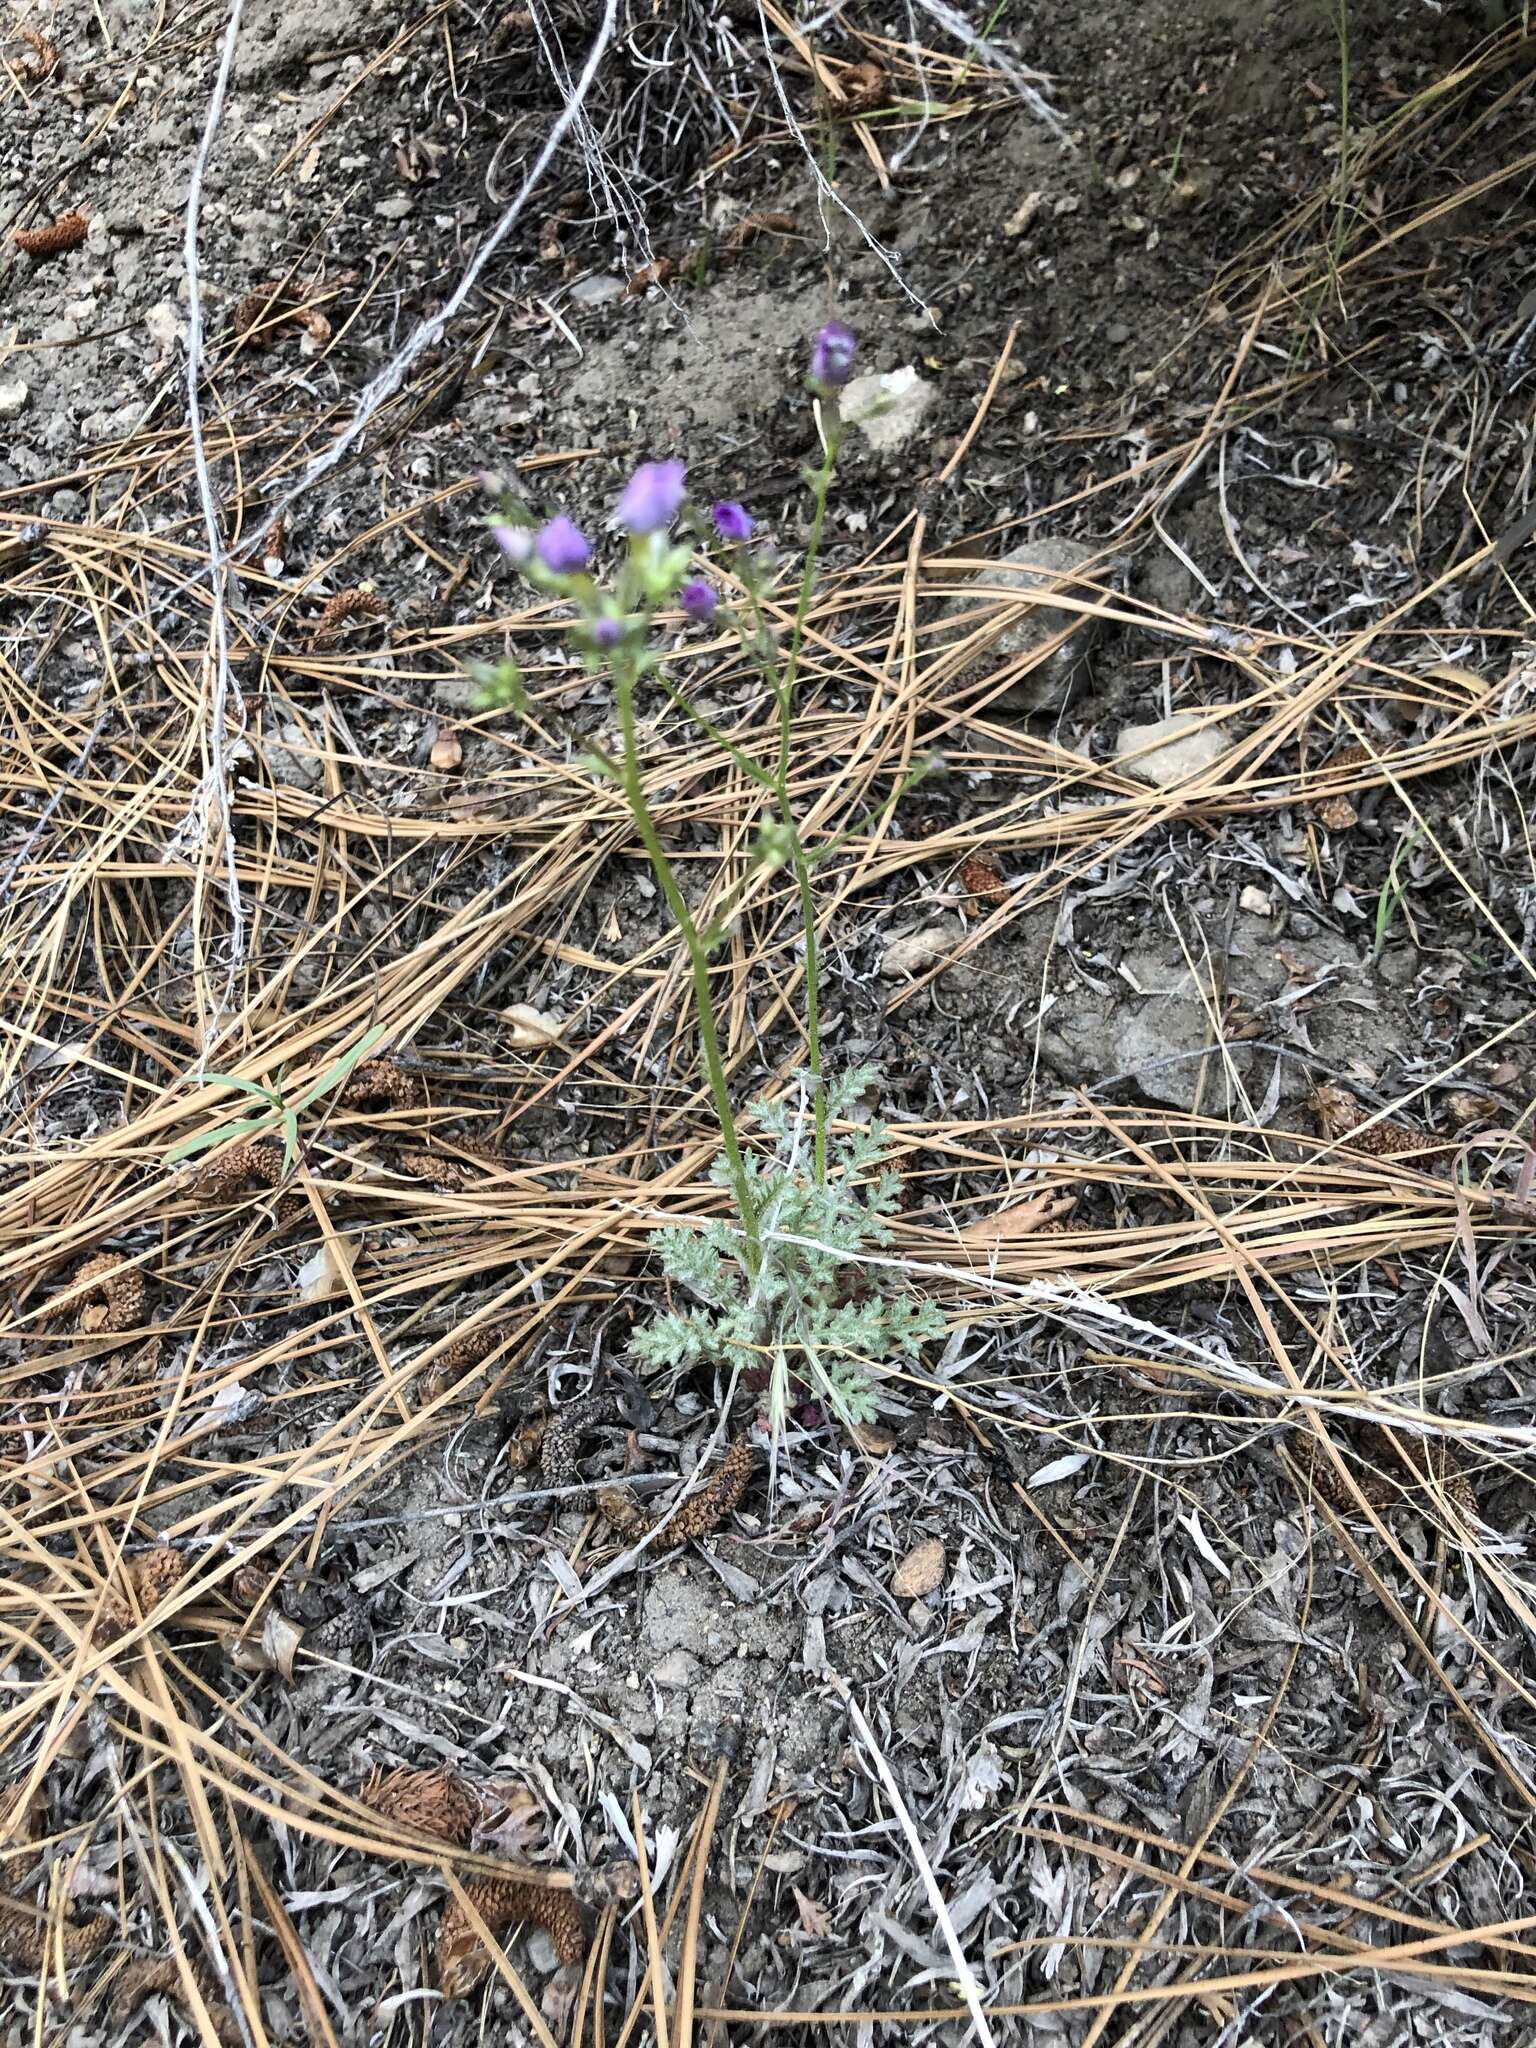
pixel 34 1943
pixel 435 1802
pixel 115 1296
pixel 1340 1117
pixel 700 1514
pixel 147 1976
pixel 463 1958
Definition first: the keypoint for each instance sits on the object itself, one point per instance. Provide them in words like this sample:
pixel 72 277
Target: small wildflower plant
pixel 778 1287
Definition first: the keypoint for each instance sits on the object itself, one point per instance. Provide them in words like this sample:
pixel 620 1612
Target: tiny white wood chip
pixel 317 1278
pixel 920 1572
pixel 1058 1468
pixel 528 1027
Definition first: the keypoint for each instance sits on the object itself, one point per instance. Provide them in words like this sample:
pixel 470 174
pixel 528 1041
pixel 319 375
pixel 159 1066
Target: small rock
pixel 678 1671
pixel 598 291
pixel 914 951
pixel 13 399
pixel 447 752
pixel 528 1027
pixel 920 1572
pixel 1031 573
pixel 1256 901
pixel 164 324
pixel 290 759
pixel 1172 750
pixel 888 408
pixel 395 209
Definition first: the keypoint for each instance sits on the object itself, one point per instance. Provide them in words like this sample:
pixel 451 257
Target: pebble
pixel 13 398
pixel 1172 749
pixel 395 209
pixel 888 408
pixel 1029 570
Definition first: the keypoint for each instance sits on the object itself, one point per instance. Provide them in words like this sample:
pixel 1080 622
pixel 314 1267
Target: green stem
pixel 698 957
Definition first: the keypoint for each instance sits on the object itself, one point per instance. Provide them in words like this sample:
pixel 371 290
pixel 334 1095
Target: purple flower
pixel 698 600
pixel 652 498
pixel 606 633
pixel 515 542
pixel 732 521
pixel 832 355
pixel 562 547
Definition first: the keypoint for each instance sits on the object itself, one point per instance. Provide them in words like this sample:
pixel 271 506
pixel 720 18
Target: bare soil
pixel 1193 1735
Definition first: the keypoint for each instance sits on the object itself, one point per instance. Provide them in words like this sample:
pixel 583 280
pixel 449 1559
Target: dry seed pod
pixel 432 1802
pixel 34 1943
pixel 381 1081
pixel 147 1976
pixel 865 87
pixel 357 603
pixel 443 1173
pixel 700 1514
pixel 463 1958
pixel 920 1572
pixel 1339 1116
pixel 152 1577
pixel 114 1295
pixel 66 233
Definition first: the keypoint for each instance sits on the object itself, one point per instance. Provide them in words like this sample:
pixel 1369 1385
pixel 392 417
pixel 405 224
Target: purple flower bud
pixel 832 355
pixel 652 498
pixel 562 547
pixel 698 600
pixel 732 521
pixel 515 542
pixel 606 633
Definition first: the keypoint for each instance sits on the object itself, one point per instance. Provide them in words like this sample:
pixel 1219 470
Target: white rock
pixel 888 408
pixel 1030 574
pixel 528 1027
pixel 1172 750
pixel 1256 901
pixel 165 324
pixel 13 399
pixel 916 950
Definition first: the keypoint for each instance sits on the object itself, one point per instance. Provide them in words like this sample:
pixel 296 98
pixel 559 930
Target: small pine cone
pixel 155 1574
pixel 381 1081
pixel 463 1958
pixel 247 1584
pixel 265 312
pixel 147 1976
pixel 33 1943
pixel 435 1167
pixel 231 1171
pixel 982 879
pixel 432 1802
pixel 357 603
pixel 699 1515
pixel 1335 813
pixel 18 1821
pixel 35 71
pixel 563 1433
pixel 525 1444
pixel 1339 1116
pixel 62 235
pixel 865 87
pixel 119 1288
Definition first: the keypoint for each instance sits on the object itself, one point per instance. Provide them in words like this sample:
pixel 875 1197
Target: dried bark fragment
pixel 462 1957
